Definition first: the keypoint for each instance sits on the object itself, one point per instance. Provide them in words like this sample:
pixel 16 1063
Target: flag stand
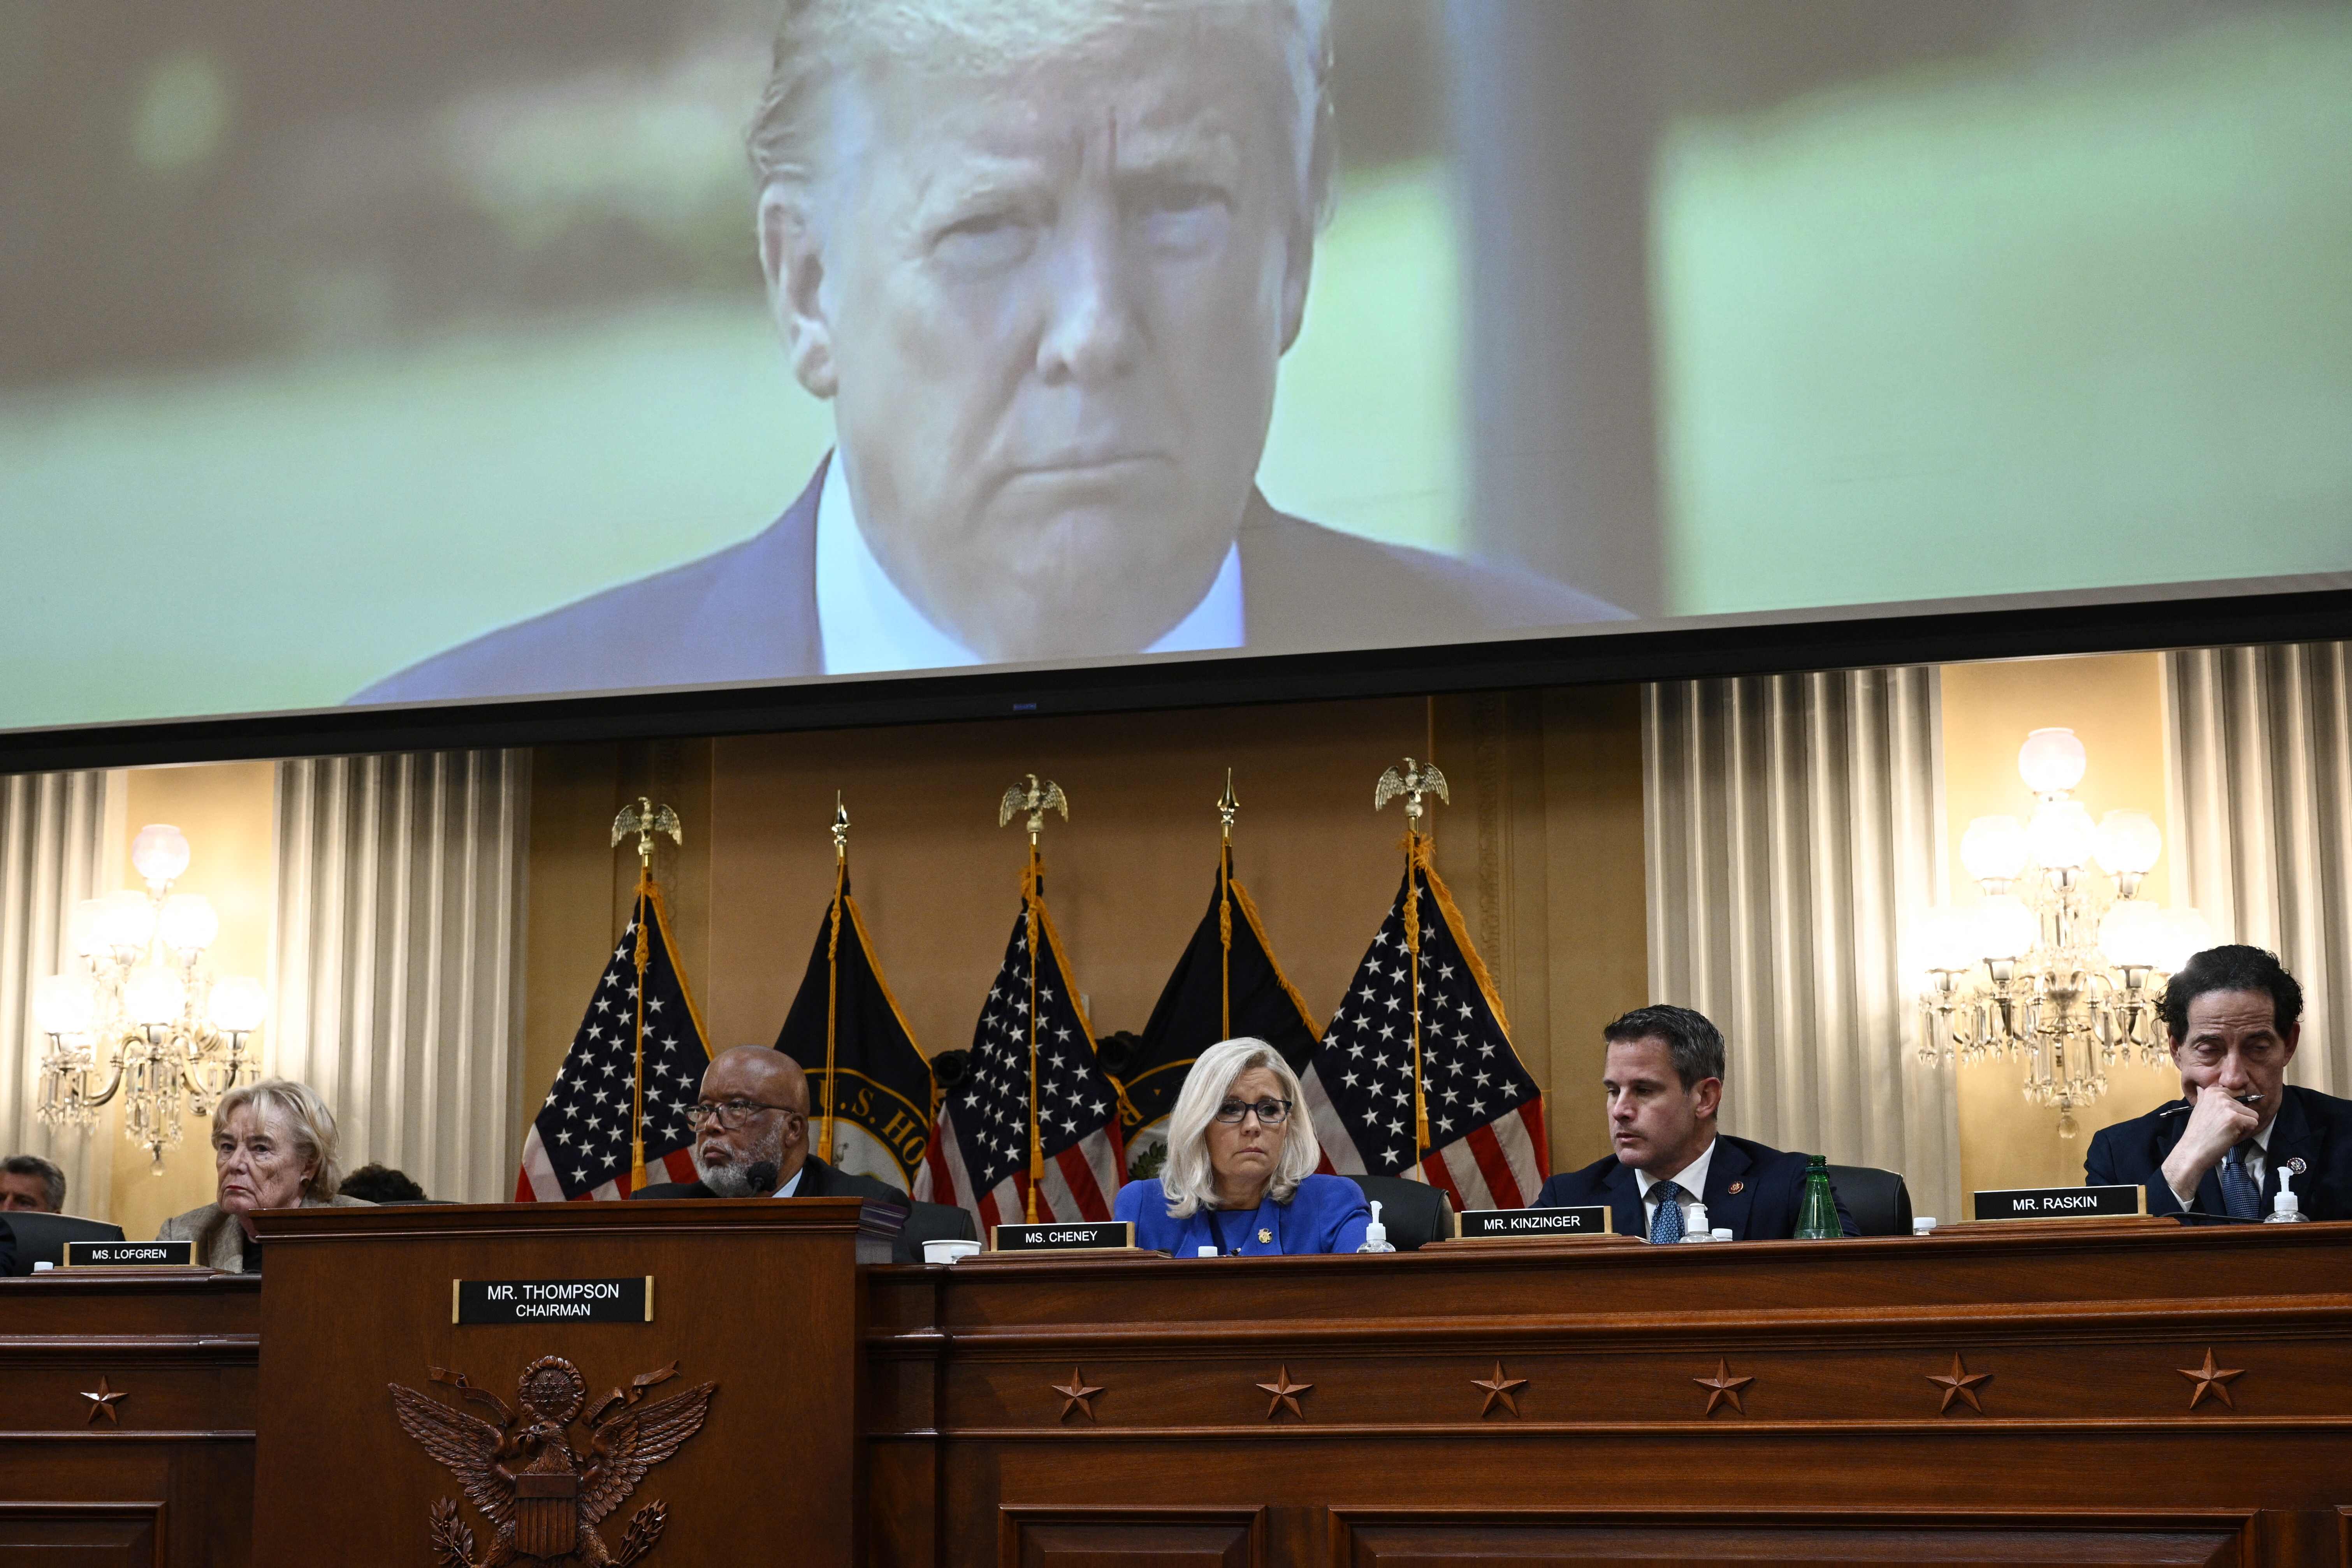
pixel 1038 799
pixel 833 971
pixel 646 823
pixel 1412 784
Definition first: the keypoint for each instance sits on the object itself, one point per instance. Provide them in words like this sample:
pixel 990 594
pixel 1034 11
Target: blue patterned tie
pixel 1668 1225
pixel 2239 1194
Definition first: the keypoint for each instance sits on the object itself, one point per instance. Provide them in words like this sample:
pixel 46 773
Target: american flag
pixel 979 1157
pixel 1486 1145
pixel 579 1145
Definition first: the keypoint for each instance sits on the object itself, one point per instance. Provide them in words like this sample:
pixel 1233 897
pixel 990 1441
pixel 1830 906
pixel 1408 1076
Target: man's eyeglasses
pixel 729 1113
pixel 1270 1113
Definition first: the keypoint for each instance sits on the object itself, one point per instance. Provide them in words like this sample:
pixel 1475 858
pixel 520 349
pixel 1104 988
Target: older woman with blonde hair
pixel 273 1148
pixel 1240 1178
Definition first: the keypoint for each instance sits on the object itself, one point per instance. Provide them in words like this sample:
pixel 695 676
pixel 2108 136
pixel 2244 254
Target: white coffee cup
pixel 947 1251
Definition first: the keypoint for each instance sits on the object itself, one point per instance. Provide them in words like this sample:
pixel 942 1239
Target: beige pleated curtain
pixel 2261 761
pixel 1792 823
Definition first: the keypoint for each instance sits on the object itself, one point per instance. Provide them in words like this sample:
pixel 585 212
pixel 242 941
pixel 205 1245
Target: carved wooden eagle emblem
pixel 541 1495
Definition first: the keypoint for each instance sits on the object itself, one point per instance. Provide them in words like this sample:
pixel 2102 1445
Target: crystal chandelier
pixel 2050 968
pixel 140 1015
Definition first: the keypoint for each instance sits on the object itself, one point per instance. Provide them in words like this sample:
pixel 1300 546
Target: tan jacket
pixel 220 1240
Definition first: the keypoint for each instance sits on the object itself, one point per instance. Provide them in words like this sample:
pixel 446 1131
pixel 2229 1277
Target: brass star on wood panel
pixel 1723 1386
pixel 102 1402
pixel 1284 1392
pixel 1076 1394
pixel 1960 1385
pixel 2212 1379
pixel 1499 1389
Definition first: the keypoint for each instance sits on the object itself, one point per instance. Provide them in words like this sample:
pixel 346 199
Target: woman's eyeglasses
pixel 1269 1113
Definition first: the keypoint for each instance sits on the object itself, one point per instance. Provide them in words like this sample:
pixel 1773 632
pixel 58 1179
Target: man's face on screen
pixel 1055 301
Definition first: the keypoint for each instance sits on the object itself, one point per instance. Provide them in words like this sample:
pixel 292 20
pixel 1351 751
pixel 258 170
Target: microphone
pixel 761 1178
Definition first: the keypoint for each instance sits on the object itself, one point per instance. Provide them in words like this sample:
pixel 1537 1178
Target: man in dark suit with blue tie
pixel 1664 1078
pixel 2235 1017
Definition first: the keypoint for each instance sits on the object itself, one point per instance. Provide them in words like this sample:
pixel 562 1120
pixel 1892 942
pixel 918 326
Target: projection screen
pixel 427 353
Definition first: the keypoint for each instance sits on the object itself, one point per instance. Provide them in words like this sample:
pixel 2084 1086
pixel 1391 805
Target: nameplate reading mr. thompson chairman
pixel 2061 1203
pixel 625 1301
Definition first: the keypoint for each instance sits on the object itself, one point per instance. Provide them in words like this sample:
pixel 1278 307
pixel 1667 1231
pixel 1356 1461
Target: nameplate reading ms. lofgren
pixel 1078 1236
pixel 1585 1219
pixel 629 1301
pixel 2060 1202
pixel 127 1253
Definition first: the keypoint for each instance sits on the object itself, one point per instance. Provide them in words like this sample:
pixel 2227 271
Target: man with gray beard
pixel 750 1141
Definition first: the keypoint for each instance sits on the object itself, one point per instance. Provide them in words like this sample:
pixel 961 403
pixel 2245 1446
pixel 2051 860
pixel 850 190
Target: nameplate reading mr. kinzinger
pixel 628 1300
pixel 1489 1225
pixel 2060 1202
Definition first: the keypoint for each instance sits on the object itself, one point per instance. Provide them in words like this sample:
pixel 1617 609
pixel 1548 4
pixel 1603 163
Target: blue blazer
pixel 1327 1213
pixel 1771 1190
pixel 2312 1127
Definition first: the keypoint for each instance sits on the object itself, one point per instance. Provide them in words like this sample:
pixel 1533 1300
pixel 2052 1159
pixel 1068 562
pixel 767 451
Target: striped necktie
pixel 2240 1197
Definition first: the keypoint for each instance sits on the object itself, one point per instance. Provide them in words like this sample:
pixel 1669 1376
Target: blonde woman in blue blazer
pixel 1240 1177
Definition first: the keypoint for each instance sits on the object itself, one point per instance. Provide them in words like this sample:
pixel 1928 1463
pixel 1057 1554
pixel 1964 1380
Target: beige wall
pixel 226 810
pixel 2115 703
pixel 1542 845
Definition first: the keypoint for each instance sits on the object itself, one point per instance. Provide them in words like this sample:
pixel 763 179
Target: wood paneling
pixel 168 1480
pixel 1115 1537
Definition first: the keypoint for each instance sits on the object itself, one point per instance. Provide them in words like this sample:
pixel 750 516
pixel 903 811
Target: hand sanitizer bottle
pixel 1376 1235
pixel 2288 1208
pixel 1695 1226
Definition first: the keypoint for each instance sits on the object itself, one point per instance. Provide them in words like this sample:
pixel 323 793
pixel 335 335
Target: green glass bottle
pixel 1817 1216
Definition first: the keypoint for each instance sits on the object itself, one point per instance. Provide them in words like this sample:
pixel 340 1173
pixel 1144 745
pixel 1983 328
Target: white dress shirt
pixel 2253 1153
pixel 792 1187
pixel 1692 1182
pixel 868 625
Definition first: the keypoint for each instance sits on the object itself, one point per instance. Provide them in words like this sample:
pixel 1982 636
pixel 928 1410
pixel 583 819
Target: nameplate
pixel 129 1254
pixel 1487 1225
pixel 1081 1236
pixel 2061 1203
pixel 629 1301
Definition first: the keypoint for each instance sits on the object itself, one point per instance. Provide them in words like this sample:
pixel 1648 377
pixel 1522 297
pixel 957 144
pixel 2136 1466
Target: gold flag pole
pixel 646 823
pixel 1226 807
pixel 1412 784
pixel 1036 800
pixel 833 967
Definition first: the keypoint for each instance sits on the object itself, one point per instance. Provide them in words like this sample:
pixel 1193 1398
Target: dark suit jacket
pixel 925 1222
pixel 747 613
pixel 1771 1190
pixel 2312 1127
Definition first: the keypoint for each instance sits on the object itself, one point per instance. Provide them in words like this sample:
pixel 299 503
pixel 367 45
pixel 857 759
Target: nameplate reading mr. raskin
pixel 2060 1202
pixel 127 1253
pixel 629 1301
pixel 1078 1237
pixel 1487 1225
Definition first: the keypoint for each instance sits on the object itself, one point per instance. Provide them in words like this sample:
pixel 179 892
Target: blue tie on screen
pixel 1668 1225
pixel 2239 1194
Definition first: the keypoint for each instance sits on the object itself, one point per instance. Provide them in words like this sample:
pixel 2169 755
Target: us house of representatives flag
pixel 635 1064
pixel 981 1149
pixel 1228 984
pixel 1484 1142
pixel 871 1099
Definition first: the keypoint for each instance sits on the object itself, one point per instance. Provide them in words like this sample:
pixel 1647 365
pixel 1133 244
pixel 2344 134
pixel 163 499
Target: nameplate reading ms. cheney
pixel 2061 1203
pixel 1487 1224
pixel 629 1301
pixel 127 1253
pixel 1081 1236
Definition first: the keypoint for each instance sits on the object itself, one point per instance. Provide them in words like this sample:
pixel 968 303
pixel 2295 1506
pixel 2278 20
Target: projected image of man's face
pixel 1048 302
